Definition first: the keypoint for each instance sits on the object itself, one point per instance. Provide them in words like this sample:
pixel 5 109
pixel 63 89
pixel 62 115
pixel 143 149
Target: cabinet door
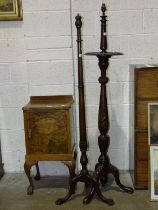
pixel 48 132
pixel 146 91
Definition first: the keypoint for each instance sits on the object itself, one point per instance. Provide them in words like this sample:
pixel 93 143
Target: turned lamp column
pixel 82 121
pixel 103 120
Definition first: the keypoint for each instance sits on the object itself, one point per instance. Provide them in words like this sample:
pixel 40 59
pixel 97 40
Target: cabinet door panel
pixel 141 146
pixel 48 132
pixel 142 154
pixel 142 111
pixel 142 137
pixel 147 83
pixel 142 173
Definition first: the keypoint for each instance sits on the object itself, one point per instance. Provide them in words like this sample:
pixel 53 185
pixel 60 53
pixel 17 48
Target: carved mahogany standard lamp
pixel 103 167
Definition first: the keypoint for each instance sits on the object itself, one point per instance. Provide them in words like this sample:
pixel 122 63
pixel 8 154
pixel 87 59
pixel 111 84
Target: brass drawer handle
pixel 30 133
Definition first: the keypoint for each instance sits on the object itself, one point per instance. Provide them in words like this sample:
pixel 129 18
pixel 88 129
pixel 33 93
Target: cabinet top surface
pixel 49 102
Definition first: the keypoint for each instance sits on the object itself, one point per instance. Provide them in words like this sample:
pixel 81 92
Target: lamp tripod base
pixel 87 179
pixel 100 176
pixel 111 169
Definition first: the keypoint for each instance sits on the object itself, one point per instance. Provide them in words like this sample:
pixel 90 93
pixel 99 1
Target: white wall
pixel 36 58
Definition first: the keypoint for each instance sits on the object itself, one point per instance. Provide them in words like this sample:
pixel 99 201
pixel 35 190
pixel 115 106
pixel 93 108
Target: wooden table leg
pixel 72 182
pixel 27 168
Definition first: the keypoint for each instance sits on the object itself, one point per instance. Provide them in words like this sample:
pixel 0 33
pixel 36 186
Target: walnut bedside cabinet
pixel 48 133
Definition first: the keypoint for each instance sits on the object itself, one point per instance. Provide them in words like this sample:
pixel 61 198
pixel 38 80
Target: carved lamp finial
pixel 78 22
pixel 103 43
pixel 103 8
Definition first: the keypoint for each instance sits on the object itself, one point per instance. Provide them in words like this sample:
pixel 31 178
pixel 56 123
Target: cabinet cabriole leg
pixel 27 169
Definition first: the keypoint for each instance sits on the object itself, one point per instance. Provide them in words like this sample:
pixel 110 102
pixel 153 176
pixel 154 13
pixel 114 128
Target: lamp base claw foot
pixel 59 201
pixel 30 190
